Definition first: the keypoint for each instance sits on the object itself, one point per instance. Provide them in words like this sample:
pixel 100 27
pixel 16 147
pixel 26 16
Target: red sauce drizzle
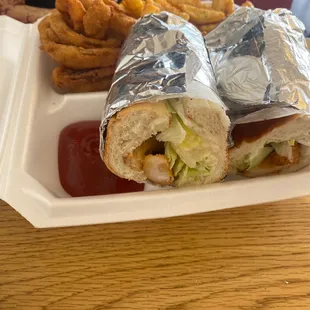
pixel 81 170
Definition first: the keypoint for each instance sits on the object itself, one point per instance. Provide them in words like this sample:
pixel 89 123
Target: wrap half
pixel 272 146
pixel 262 67
pixel 164 122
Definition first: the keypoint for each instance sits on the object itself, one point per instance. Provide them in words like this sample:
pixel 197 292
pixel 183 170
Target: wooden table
pixel 247 258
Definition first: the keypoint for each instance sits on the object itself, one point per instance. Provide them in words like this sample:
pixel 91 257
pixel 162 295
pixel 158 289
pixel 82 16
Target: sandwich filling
pixel 272 157
pixel 174 155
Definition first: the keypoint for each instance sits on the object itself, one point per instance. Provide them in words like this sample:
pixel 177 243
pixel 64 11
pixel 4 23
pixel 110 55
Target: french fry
pixel 248 4
pixel 207 28
pixel 207 6
pixel 76 11
pixel 188 2
pixel 230 7
pixel 150 7
pixel 133 7
pixel 166 6
pixel 219 5
pixel 202 16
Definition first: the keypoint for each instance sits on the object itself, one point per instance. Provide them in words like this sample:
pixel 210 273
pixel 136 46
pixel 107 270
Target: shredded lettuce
pixel 188 154
pixel 259 157
pixel 284 149
pixel 171 154
pixel 175 133
pixel 291 142
pixel 253 160
pixel 179 165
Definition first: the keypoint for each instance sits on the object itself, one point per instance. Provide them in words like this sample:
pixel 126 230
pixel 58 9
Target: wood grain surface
pixel 255 257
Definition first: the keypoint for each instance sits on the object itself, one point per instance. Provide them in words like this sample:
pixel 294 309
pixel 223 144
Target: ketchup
pixel 81 170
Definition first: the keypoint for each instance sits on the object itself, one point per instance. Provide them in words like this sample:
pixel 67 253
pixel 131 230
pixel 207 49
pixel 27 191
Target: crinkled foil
pixel 163 57
pixel 261 63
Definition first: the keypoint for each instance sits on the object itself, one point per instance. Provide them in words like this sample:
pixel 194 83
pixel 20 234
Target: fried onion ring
pixel 80 58
pixel 76 11
pixel 121 23
pixel 96 20
pixel 99 79
pixel 134 8
pixel 69 37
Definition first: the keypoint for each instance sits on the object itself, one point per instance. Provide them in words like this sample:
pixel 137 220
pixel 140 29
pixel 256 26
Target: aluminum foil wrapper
pixel 163 57
pixel 261 64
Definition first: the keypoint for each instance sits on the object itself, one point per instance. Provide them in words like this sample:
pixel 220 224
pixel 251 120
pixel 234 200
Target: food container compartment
pixel 32 117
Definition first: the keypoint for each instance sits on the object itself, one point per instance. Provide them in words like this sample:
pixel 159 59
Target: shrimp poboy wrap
pixel 164 122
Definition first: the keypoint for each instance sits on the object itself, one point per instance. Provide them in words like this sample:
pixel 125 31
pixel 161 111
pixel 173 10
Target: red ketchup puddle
pixel 81 170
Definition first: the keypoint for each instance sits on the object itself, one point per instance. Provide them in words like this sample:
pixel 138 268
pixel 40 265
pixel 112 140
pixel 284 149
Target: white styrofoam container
pixel 32 115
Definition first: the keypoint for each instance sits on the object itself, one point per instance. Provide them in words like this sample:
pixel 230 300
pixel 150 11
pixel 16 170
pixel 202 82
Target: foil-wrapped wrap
pixel 163 57
pixel 261 62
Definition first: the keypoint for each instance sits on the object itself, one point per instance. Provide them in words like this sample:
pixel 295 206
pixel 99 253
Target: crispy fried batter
pixel 76 11
pixel 121 23
pixel 52 35
pixel 62 6
pixel 150 7
pixel 46 32
pixel 79 58
pixel 202 16
pixel 69 37
pixel 96 20
pixel 115 35
pixel 133 7
pixel 99 79
pixel 86 3
pixel 278 160
pixel 114 6
pixel 43 27
pixel 166 6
